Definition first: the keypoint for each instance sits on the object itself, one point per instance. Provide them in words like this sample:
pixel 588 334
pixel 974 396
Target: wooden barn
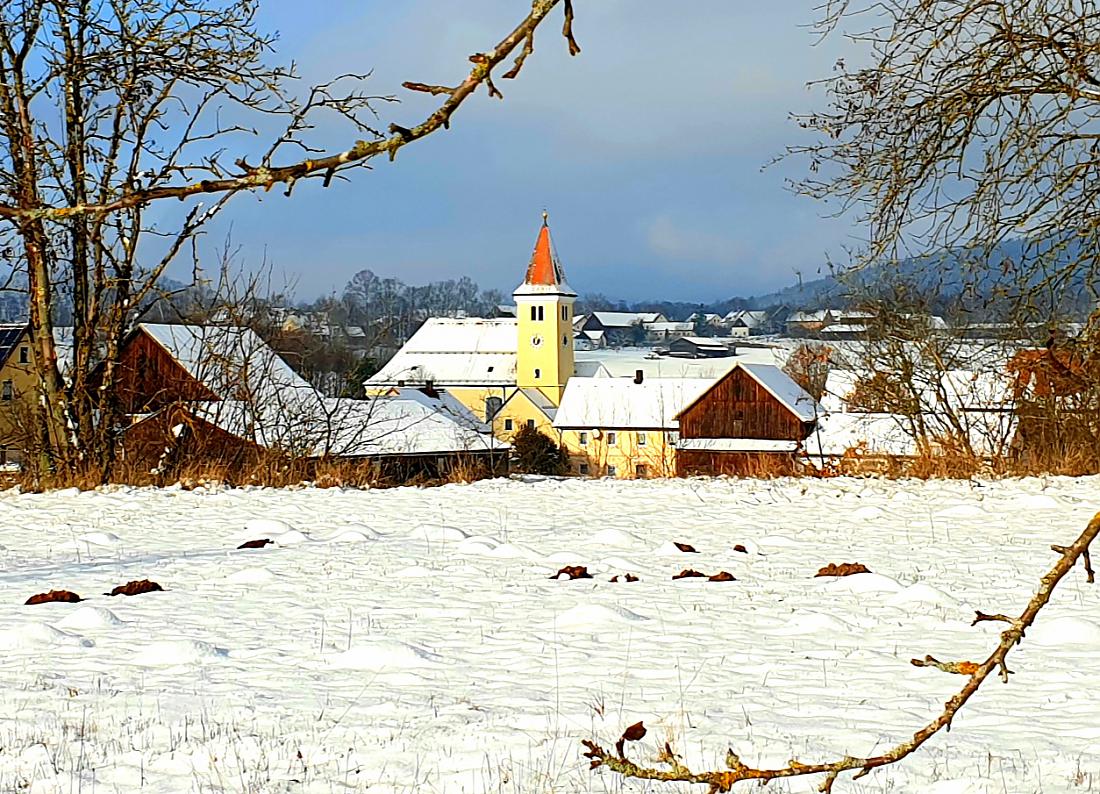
pixel 752 421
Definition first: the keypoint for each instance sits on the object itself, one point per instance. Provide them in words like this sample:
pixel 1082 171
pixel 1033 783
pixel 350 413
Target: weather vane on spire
pixel 545 217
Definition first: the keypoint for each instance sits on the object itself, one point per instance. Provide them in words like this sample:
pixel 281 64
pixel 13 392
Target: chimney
pixel 639 375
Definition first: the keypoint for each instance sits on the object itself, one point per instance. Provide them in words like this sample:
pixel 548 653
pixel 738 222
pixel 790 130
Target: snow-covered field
pixel 411 640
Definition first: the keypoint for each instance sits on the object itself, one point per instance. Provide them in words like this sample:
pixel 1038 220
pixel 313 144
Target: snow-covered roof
pixel 821 315
pixel 620 403
pixel 625 363
pixel 231 361
pixel 779 384
pixel 466 352
pixel 737 445
pixel 540 401
pixel 705 341
pixel 625 319
pixel 750 319
pixel 410 423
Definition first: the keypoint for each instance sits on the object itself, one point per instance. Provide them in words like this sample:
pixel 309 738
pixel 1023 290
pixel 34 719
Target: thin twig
pixel 737 771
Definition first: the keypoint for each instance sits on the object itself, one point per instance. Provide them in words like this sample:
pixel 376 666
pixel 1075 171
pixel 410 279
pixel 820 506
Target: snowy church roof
pixel 466 352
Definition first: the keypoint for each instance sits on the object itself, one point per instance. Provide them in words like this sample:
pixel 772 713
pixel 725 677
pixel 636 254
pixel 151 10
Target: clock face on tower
pixel 536 340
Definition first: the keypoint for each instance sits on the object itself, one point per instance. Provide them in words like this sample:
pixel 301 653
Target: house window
pixel 492 407
pixel 582 437
pixel 583 468
pixel 531 424
pixel 612 438
pixel 538 373
pixel 6 393
pixel 508 424
pixel 641 439
pixel 612 471
pixel 641 470
pixel 24 355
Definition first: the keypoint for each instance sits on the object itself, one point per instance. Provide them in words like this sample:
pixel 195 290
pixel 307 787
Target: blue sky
pixel 647 150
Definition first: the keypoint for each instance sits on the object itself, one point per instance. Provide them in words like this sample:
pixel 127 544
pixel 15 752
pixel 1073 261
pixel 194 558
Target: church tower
pixel 544 314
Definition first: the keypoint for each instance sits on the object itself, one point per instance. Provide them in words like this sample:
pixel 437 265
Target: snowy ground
pixel 410 640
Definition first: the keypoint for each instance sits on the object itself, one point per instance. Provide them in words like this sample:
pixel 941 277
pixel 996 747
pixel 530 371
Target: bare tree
pixel 969 137
pixel 108 108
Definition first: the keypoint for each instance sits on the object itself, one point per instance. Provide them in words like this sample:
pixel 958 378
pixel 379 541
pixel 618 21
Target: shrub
pixel 534 452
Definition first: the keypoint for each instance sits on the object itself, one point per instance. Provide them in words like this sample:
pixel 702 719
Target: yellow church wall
pixel 657 454
pixel 544 357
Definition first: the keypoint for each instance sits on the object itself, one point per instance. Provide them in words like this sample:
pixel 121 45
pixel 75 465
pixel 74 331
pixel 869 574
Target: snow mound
pixel 266 527
pixel 435 532
pixel 669 549
pixel 100 538
pixel 868 513
pixel 811 623
pixel 170 653
pixel 594 617
pixel 384 654
pixel 477 544
pixel 1064 631
pixel 33 634
pixel 1038 501
pixel 961 511
pixel 778 541
pixel 615 537
pixel 567 557
pixel 415 572
pixel 506 551
pixel 292 537
pixel 863 583
pixel 921 593
pixel 620 564
pixel 352 535
pixel 89 618
pixel 251 576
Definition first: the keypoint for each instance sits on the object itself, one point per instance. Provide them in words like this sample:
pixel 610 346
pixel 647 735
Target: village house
pixel 752 418
pixel 19 384
pixel 743 322
pixel 609 329
pixel 701 347
pixel 221 394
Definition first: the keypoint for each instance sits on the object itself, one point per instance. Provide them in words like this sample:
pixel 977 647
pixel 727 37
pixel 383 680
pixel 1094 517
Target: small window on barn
pixel 24 355
pixel 641 439
pixel 612 438
pixel 641 470
pixel 583 468
pixel 738 416
pixel 582 438
pixel 612 471
pixel 508 425
pixel 7 391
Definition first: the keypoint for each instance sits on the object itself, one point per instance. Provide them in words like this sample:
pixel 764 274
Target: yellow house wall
pixel 16 412
pixel 658 454
pixel 516 407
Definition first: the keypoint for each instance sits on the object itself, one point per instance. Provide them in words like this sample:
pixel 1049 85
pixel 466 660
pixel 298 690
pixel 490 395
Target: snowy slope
pixel 411 640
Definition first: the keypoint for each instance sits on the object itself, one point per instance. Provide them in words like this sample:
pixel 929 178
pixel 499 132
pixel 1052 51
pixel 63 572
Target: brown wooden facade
pixel 739 407
pixel 148 378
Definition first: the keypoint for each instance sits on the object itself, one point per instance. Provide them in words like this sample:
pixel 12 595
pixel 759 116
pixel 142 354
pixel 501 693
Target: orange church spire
pixel 544 272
